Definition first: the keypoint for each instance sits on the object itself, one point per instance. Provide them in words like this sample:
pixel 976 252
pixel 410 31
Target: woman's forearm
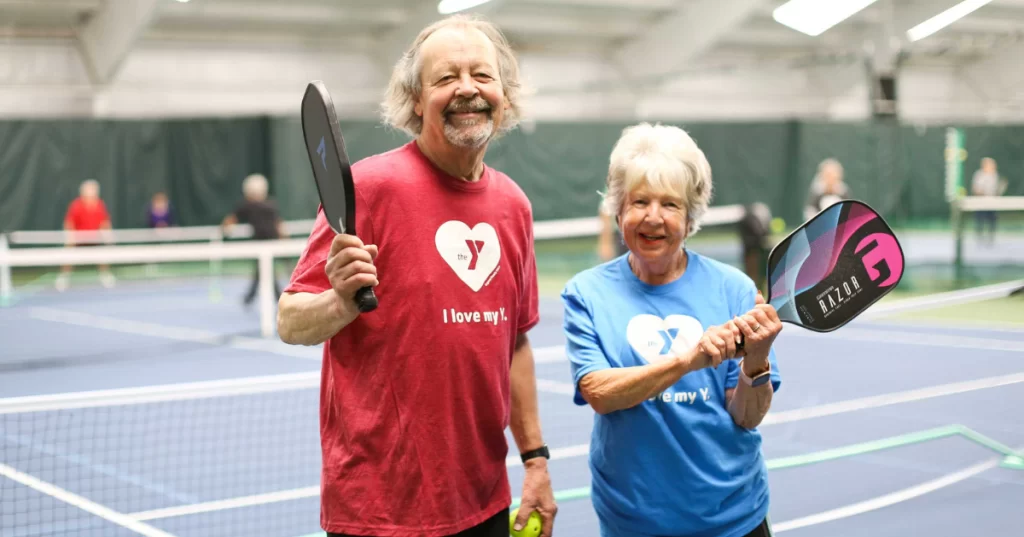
pixel 619 388
pixel 311 319
pixel 749 405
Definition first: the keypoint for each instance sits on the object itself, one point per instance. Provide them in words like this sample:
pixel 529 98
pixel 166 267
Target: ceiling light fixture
pixel 944 19
pixel 447 7
pixel 813 17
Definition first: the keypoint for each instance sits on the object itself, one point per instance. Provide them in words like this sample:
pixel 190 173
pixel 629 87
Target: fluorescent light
pixel 813 17
pixel 447 7
pixel 944 19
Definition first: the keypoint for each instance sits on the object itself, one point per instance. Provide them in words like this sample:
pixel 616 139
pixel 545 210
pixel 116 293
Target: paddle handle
pixel 366 300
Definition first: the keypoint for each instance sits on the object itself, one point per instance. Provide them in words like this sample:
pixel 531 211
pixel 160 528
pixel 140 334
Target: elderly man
pixel 262 214
pixel 87 214
pixel 416 394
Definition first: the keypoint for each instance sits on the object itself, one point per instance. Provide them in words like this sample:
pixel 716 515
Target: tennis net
pixel 994 247
pixel 233 457
pixel 32 262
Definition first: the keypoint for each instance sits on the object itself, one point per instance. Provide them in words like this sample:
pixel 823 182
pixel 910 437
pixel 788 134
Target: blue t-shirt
pixel 675 464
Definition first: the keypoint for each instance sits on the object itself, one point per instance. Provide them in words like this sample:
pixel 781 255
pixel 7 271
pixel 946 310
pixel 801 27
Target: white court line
pixel 913 338
pixel 125 521
pixel 233 503
pixel 549 355
pixel 541 355
pixel 306 492
pixel 193 335
pixel 886 500
pixel 938 300
pixel 954 325
pixel 876 401
pixel 554 386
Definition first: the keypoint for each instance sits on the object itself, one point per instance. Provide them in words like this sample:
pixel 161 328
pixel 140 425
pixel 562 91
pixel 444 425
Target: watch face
pixel 761 379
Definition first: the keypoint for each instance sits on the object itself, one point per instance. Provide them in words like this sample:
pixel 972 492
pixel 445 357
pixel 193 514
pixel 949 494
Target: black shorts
pixel 764 529
pixel 496 526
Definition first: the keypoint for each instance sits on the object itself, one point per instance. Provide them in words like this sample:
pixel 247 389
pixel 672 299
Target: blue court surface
pixel 878 429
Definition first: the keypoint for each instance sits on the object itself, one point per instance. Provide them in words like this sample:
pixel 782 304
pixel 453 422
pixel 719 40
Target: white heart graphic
pixel 649 335
pixel 472 253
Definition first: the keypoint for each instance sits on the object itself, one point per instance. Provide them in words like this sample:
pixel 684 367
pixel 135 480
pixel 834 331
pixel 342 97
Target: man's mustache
pixel 462 105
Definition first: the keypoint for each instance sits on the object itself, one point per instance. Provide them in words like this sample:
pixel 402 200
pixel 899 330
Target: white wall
pixel 46 78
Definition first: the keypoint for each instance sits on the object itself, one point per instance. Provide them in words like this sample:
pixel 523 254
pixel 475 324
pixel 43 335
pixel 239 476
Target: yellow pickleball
pixel 531 529
pixel 778 225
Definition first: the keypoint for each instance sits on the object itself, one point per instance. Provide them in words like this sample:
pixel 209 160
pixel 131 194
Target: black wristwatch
pixel 539 452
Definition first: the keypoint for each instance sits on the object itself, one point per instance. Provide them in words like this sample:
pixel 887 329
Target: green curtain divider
pixel 561 166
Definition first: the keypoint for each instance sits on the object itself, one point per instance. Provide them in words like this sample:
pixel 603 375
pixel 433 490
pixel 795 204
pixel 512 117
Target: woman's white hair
pixel 665 159
pixel 255 187
pixel 398 108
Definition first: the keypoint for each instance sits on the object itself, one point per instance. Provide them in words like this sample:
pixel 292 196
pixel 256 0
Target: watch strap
pixel 758 379
pixel 534 453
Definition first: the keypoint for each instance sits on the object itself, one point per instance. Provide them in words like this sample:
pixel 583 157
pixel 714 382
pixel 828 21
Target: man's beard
pixel 469 133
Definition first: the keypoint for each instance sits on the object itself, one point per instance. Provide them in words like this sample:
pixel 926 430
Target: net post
pixel 266 291
pixel 6 287
pixel 216 241
pixel 958 240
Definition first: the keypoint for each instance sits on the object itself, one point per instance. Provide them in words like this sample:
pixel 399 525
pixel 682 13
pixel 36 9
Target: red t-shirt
pixel 415 396
pixel 86 216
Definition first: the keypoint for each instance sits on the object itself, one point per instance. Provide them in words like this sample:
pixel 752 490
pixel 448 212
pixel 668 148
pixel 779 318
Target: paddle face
pixel 331 169
pixel 833 267
pixel 327 156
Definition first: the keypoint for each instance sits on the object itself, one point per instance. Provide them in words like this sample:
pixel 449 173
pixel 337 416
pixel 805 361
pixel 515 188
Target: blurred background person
pixel 260 212
pixel 985 182
pixel 159 213
pixel 609 243
pixel 755 230
pixel 827 188
pixel 86 213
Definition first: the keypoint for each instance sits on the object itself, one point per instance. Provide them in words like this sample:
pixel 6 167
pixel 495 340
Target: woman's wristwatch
pixel 758 379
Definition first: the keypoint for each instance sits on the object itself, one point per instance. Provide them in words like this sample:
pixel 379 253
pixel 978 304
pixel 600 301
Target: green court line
pixel 1013 460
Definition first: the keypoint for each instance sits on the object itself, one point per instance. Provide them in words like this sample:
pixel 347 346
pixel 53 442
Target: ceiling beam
pixel 673 41
pixel 999 74
pixel 655 5
pixel 236 13
pixel 109 35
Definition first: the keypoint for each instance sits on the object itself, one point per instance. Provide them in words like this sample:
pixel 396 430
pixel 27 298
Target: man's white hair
pixel 405 86
pixel 666 160
pixel 89 184
pixel 255 187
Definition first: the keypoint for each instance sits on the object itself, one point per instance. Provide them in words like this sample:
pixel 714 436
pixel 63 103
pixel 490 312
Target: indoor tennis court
pixel 144 389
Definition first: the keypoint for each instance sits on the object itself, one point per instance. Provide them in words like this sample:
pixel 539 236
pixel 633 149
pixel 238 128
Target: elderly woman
pixel 652 340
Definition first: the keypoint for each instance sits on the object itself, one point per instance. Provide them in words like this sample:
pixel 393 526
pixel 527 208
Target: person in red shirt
pixel 415 395
pixel 87 212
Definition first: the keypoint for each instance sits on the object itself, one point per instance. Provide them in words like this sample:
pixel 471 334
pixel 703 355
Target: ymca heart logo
pixel 653 338
pixel 472 253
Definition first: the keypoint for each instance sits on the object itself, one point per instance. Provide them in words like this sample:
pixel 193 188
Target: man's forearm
pixel 619 388
pixel 311 319
pixel 749 405
pixel 525 419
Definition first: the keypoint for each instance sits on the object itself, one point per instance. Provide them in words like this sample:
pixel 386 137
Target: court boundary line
pixel 878 401
pixel 578 450
pixel 886 500
pixel 544 354
pixel 89 506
